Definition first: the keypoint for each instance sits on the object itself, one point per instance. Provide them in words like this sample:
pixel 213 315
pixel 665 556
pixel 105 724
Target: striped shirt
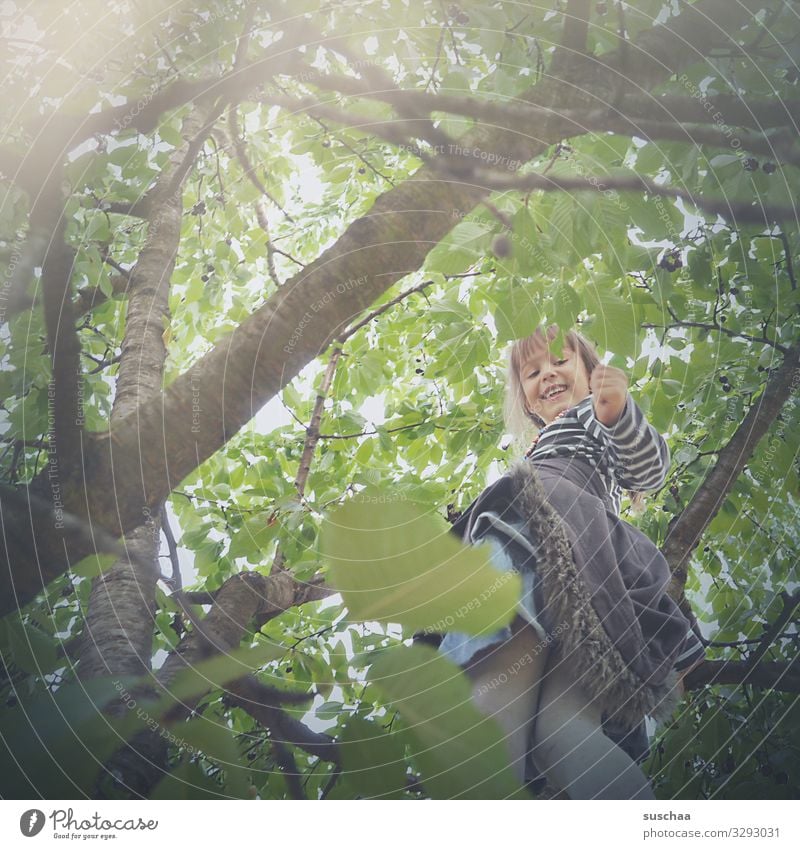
pixel 630 455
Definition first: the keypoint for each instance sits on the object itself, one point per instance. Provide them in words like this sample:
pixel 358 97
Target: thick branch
pixel 776 675
pixel 126 592
pixel 743 212
pixel 143 762
pixel 143 350
pixel 249 694
pixel 686 529
pixel 722 110
pixel 629 117
pixel 778 146
pixel 576 27
pixel 483 109
pixel 46 248
pixel 66 424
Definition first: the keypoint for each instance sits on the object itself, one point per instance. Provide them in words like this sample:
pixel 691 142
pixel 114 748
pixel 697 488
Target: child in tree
pixel 596 643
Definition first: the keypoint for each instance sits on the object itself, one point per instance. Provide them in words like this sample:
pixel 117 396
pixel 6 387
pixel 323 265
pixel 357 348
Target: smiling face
pixel 551 382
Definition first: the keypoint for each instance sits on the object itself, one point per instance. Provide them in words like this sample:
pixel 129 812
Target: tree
pixel 221 206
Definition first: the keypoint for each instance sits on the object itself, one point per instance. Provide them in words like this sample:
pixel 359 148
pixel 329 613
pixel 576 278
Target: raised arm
pixel 640 453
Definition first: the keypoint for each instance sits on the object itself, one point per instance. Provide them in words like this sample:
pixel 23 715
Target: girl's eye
pixel 558 363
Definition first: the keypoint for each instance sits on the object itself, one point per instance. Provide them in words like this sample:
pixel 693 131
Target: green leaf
pixel 566 306
pixel 461 753
pixel 123 154
pixel 33 651
pixel 364 452
pixel 460 249
pixel 97 229
pixel 218 743
pixel 215 673
pixel 686 454
pixel 517 313
pixel 615 326
pixel 394 563
pixel 94 565
pixel 254 536
pixel 657 217
pixel 559 232
pixel 56 743
pixel 329 710
pixel 171 135
pixel 670 388
pixel 373 762
pixel 725 521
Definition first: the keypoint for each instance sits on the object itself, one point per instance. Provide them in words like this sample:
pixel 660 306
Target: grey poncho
pixel 594 586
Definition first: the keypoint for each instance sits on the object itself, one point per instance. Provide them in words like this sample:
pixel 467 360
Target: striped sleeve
pixel 641 456
pixel 691 651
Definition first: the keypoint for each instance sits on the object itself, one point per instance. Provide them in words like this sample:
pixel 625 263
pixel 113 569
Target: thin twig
pixel 288 256
pixel 788 254
pixel 436 61
pixel 249 171
pixel 103 364
pixel 312 432
pixel 176 582
pixel 382 309
pixel 263 221
pixel 734 334
pixel 356 153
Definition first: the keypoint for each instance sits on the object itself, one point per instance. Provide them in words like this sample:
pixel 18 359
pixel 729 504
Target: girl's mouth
pixel 551 395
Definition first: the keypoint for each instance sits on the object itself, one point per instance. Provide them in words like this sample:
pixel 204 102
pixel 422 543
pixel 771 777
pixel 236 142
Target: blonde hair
pixel 520 420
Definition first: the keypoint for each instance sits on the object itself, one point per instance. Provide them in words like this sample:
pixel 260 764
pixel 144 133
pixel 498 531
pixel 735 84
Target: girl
pixel 596 639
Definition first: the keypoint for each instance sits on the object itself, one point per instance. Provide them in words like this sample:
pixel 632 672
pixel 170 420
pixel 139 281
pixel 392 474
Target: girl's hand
pixel 609 386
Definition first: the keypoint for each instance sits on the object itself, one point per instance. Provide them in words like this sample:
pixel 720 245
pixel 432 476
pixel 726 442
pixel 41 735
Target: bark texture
pixel 118 632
